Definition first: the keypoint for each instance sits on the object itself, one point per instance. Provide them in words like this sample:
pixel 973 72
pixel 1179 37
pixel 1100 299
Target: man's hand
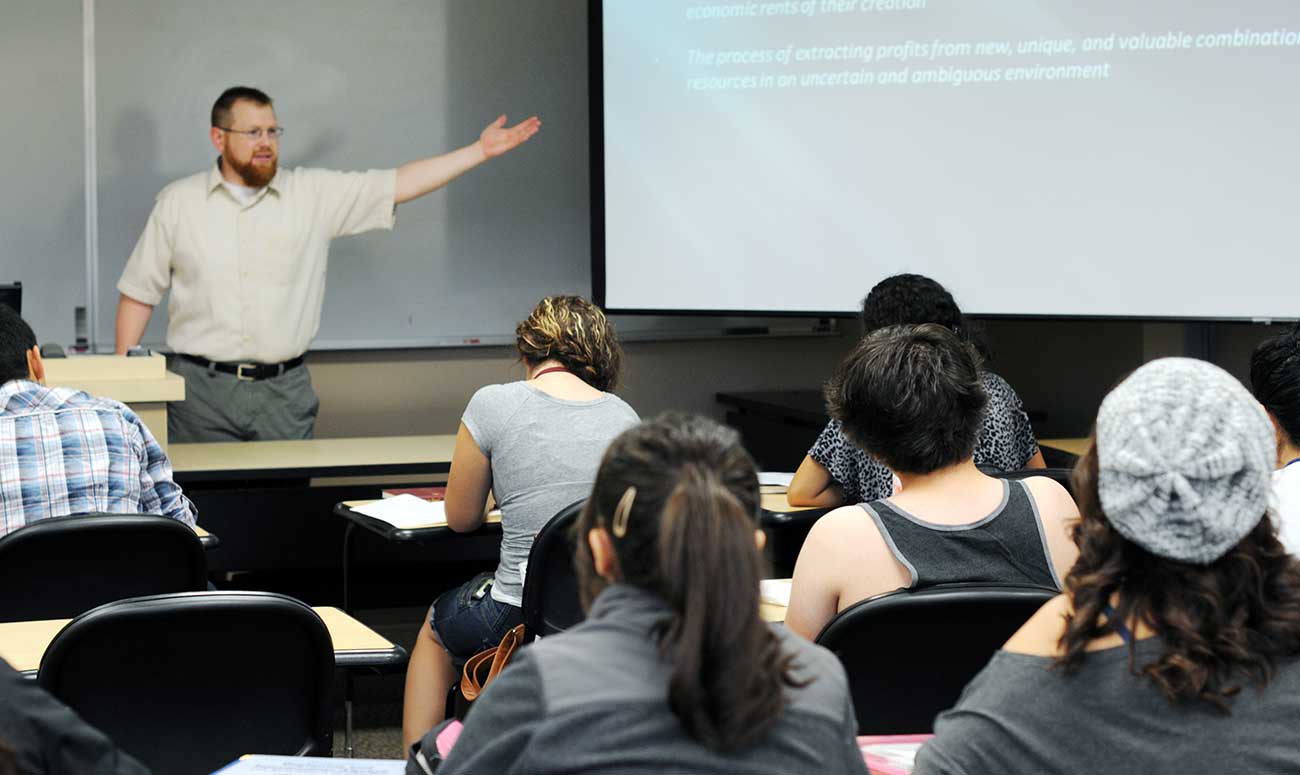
pixel 417 178
pixel 496 139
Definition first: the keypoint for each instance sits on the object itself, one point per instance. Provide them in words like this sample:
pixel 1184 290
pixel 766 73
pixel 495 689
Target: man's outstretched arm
pixel 417 178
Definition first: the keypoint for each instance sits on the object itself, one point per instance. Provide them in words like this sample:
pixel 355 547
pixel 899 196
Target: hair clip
pixel 623 512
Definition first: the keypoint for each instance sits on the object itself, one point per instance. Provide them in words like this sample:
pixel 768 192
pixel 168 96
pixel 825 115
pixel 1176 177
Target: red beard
pixel 254 175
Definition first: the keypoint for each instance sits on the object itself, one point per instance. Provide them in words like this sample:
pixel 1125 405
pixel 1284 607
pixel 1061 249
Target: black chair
pixel 187 683
pixel 58 568
pixel 909 654
pixel 1062 476
pixel 550 599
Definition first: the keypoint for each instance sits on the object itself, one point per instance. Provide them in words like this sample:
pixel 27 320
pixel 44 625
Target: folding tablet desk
pixel 355 519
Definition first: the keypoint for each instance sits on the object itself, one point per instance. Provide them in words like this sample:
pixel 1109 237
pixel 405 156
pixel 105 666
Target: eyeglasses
pixel 273 133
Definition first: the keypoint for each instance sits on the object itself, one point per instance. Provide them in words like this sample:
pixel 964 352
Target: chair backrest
pixel 58 568
pixel 1062 476
pixel 550 600
pixel 188 682
pixel 909 654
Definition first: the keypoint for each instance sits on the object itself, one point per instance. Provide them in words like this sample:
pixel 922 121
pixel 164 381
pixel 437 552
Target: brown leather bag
pixel 487 664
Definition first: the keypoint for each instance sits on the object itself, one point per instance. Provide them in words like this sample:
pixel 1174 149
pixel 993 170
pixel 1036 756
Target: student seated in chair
pixel 1176 646
pixel 536 445
pixel 65 452
pixel 1275 380
pixel 913 398
pixel 673 670
pixel 837 471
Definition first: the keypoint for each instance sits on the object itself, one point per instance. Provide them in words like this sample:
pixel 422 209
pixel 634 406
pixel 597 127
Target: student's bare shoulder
pixel 848 533
pixel 1052 499
pixel 1041 635
pixel 845 521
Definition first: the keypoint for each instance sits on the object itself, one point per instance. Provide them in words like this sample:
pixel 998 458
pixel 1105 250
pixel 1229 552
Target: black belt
pixel 248 371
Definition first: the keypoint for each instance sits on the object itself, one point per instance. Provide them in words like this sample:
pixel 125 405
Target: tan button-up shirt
pixel 247 281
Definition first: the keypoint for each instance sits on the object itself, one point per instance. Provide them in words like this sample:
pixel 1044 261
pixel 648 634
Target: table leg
pixel 347 555
pixel 347 714
pixel 347 609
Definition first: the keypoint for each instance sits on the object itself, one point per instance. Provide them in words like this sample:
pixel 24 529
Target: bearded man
pixel 243 248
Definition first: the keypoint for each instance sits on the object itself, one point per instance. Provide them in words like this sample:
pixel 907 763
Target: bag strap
pixel 488 663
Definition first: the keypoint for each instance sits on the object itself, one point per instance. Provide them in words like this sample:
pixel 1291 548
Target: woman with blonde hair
pixel 535 444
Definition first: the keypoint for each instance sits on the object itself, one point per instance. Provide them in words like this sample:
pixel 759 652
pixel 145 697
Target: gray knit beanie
pixel 1185 457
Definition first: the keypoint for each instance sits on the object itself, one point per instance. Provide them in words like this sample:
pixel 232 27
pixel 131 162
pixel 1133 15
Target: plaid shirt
pixel 65 452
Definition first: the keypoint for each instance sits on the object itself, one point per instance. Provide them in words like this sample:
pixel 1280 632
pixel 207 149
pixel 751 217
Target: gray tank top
pixel 1007 547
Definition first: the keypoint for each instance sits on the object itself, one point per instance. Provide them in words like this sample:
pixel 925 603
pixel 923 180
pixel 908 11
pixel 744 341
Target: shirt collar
pixel 15 386
pixel 215 180
pixel 628 601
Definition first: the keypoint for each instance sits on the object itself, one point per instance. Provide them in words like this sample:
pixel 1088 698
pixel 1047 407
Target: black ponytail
pixel 689 538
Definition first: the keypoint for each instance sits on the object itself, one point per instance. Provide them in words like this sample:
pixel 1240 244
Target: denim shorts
pixel 466 626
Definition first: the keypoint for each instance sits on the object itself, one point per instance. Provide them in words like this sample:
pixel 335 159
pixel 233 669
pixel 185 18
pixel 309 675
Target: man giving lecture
pixel 243 249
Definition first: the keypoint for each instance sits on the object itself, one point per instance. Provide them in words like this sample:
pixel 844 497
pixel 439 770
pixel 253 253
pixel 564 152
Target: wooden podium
pixel 143 383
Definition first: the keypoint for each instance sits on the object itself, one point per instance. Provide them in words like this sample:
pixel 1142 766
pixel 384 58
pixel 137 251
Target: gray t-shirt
pixel 1019 715
pixel 544 453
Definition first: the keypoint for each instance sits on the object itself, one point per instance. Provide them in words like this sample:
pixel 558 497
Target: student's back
pixel 673 671
pixel 1105 719
pixel 593 700
pixel 65 452
pixel 912 397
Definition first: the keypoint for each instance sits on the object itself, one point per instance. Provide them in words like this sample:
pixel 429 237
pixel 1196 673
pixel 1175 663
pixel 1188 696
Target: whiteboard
pixel 42 204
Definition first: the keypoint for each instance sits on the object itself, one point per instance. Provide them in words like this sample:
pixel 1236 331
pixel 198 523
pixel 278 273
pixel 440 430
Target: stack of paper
pixel 406 512
pixel 891 754
pixel 777 478
pixel 775 591
pixel 303 765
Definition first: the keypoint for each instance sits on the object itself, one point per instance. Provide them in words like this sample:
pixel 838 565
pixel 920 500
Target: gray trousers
pixel 222 407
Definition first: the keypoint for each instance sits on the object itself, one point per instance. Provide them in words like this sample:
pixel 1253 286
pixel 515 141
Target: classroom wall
pixel 424 391
pixel 1062 370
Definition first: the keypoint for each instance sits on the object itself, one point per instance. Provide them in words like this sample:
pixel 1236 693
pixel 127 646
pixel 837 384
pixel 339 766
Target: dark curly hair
pixel 575 332
pixel 1222 624
pixel 913 299
pixel 911 396
pixel 1275 379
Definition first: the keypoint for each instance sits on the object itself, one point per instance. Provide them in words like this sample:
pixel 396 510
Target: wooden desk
pixel 1073 446
pixel 206 539
pixel 22 644
pixel 375 455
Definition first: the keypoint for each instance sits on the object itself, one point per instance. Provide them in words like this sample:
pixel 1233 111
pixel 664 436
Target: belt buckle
pixel 239 372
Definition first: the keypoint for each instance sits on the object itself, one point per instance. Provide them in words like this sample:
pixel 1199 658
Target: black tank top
pixel 1006 547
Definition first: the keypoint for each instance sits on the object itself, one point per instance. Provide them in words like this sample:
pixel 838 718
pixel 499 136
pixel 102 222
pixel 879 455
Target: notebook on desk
pixel 303 765
pixel 891 754
pixel 427 493
pixel 406 512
